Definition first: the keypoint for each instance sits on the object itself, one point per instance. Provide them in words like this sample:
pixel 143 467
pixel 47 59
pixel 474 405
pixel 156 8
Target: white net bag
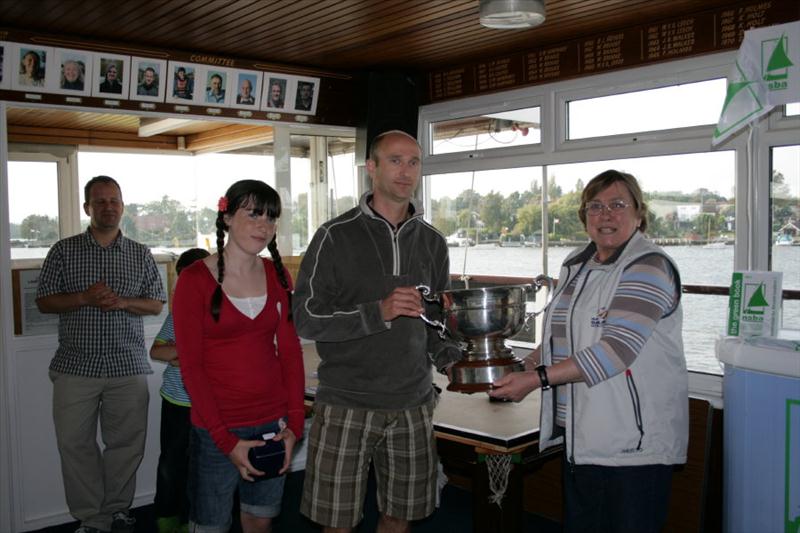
pixel 499 467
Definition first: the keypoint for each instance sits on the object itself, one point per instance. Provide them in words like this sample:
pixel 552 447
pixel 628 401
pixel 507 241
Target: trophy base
pixel 470 375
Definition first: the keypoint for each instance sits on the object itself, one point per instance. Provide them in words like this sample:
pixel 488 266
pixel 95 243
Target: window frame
pixel 69 197
pixel 751 147
pixel 517 99
pixel 647 78
pixel 779 121
pixel 512 104
pixel 555 149
pixel 773 139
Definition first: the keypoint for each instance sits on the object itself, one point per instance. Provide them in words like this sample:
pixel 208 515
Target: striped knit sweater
pixel 646 292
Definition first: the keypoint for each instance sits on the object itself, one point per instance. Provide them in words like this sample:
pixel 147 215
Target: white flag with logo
pixel 766 74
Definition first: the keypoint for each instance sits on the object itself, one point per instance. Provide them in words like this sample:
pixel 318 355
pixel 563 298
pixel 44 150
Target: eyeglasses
pixel 595 209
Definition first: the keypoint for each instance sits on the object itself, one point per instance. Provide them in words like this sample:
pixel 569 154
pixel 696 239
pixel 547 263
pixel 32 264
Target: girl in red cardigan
pixel 241 362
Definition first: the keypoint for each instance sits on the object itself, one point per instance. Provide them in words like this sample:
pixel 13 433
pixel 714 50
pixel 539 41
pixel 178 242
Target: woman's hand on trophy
pixel 403 301
pixel 514 386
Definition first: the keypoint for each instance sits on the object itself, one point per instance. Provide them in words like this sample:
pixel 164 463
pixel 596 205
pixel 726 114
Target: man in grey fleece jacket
pixel 355 297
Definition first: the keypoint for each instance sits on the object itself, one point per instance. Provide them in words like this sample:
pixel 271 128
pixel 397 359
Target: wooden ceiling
pixel 330 34
pixel 334 36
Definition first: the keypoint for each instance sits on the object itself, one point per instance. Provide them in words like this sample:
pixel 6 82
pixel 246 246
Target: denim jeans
pixel 213 479
pixel 616 498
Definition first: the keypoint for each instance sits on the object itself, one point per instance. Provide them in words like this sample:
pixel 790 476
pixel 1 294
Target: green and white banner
pixel 766 74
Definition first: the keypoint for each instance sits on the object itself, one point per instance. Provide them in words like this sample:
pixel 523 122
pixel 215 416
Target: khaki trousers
pixel 99 482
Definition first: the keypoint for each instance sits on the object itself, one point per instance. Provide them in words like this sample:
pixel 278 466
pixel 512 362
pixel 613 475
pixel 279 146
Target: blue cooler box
pixel 761 392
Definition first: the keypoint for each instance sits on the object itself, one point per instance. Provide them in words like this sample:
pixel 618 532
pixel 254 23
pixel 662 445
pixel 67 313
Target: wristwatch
pixel 542 371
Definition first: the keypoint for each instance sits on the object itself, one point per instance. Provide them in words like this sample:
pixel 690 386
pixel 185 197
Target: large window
pixel 692 204
pixel 171 200
pixel 513 212
pixel 493 221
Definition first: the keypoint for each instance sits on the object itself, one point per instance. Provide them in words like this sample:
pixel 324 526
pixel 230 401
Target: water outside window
pixel 496 223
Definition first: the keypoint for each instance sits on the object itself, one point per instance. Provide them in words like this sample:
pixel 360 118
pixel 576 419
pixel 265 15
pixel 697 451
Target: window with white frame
pixel 171 200
pixel 41 191
pixel 515 213
pixel 675 106
pixel 785 224
pixel 500 129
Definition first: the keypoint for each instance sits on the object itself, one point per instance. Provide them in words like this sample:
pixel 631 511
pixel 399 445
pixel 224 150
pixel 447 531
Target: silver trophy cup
pixel 481 320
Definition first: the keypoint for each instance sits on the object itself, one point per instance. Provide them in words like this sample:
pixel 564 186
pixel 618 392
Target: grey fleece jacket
pixel 353 262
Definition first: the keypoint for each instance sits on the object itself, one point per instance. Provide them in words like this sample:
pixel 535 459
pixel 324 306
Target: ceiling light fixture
pixel 511 14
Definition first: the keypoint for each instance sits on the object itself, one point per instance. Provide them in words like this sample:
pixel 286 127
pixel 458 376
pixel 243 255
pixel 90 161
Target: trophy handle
pixel 432 298
pixel 539 282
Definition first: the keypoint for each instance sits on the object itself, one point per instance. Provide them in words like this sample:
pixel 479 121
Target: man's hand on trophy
pixel 403 301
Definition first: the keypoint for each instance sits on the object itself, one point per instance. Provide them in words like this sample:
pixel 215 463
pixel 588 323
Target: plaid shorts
pixel 341 445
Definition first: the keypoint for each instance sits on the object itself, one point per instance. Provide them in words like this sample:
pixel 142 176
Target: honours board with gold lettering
pixel 701 33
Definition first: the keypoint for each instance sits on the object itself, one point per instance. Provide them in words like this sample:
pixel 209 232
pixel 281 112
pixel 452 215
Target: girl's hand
pixel 239 457
pixel 289 439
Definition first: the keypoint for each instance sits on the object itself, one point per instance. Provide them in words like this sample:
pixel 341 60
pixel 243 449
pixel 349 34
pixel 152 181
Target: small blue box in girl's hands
pixel 268 458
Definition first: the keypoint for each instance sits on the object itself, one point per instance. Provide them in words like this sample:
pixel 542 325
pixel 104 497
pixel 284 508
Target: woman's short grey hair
pixel 605 180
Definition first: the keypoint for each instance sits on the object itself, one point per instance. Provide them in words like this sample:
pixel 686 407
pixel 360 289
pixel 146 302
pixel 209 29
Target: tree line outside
pixel 169 224
pixel 165 223
pixel 519 215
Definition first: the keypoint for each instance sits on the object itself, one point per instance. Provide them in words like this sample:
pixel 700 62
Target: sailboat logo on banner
pixel 776 69
pixel 766 73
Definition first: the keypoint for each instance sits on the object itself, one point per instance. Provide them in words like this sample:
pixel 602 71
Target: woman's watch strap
pixel 541 370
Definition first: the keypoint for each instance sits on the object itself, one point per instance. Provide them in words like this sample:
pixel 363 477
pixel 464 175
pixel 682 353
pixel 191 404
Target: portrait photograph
pixel 215 86
pixel 181 83
pixel 148 81
pixel 247 86
pixel 74 72
pixel 5 78
pixel 305 95
pixel 111 76
pixel 275 90
pixel 30 67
